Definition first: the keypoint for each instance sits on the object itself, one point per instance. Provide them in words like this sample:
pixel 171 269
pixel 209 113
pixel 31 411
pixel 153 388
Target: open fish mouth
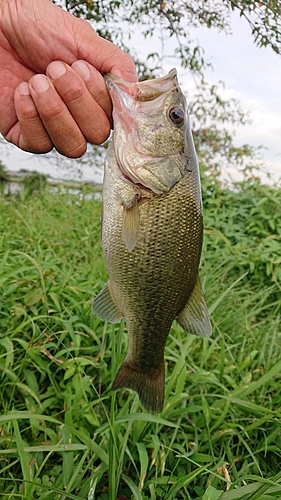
pixel 147 90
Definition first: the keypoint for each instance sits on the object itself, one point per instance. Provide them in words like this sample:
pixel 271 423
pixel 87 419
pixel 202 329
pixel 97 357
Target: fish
pixel 152 229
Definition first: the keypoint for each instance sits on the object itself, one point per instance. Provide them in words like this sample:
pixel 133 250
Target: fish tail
pixel 148 385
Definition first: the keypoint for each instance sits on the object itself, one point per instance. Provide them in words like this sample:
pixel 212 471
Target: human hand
pixel 52 90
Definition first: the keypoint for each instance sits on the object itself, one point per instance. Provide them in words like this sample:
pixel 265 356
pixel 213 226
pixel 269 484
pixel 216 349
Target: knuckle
pixel 101 94
pixel 75 151
pixel 33 147
pixel 53 111
pixel 100 134
pixel 28 114
pixel 74 93
pixel 40 150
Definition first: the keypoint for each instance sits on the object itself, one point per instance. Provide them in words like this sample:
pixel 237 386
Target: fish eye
pixel 176 115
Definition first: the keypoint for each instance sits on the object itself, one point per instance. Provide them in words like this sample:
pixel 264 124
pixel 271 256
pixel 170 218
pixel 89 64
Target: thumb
pixel 105 56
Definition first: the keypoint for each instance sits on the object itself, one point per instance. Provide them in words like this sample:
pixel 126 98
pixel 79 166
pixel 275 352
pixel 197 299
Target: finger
pixel 95 84
pixel 29 132
pixel 86 111
pixel 56 118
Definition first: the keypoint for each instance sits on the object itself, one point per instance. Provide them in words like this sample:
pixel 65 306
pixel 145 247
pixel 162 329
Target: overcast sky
pixel 252 75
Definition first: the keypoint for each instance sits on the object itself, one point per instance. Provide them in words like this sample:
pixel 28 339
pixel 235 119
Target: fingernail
pixel 82 69
pixel 23 89
pixel 39 83
pixel 56 69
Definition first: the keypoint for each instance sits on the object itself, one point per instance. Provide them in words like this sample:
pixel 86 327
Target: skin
pixel 52 89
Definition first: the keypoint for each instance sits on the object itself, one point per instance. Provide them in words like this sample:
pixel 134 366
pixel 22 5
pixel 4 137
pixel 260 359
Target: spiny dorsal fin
pixel 194 318
pixel 131 222
pixel 105 308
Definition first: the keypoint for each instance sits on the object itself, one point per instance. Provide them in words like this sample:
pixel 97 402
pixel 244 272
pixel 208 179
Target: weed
pixel 65 435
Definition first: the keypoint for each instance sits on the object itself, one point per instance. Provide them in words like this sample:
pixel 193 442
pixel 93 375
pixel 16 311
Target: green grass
pixel 64 434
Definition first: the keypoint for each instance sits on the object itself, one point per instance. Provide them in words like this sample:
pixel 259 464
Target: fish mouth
pixel 143 91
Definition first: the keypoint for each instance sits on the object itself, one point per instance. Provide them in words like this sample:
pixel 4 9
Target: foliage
pixel 246 217
pixel 34 182
pixel 264 20
pixel 64 434
pixel 211 118
pixel 3 174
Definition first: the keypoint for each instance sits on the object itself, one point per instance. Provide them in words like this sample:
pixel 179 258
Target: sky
pixel 250 74
pixel 253 76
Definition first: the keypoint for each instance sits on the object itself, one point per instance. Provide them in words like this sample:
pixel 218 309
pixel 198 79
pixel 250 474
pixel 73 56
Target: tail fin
pixel 148 385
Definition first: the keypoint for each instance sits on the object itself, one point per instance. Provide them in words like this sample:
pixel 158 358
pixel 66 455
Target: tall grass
pixel 64 434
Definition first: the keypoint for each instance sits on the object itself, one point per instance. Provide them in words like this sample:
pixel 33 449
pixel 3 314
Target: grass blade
pixel 25 460
pixel 212 494
pixel 134 489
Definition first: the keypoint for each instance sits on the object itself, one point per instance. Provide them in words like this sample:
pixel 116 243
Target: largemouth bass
pixel 152 229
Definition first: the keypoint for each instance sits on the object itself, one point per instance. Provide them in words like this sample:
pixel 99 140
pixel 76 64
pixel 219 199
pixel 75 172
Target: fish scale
pixel 153 262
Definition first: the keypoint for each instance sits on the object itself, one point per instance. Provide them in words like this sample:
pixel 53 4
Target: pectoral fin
pixel 105 308
pixel 131 222
pixel 194 318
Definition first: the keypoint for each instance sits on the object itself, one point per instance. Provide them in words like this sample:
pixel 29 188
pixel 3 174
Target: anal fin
pixel 105 308
pixel 194 317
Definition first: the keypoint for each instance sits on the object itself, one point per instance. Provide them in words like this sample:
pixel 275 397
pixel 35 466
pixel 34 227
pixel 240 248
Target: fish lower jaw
pixel 127 176
pixel 148 188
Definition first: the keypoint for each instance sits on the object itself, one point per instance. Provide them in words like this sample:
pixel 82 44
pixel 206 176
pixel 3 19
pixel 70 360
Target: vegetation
pixel 3 174
pixel 34 182
pixel 64 434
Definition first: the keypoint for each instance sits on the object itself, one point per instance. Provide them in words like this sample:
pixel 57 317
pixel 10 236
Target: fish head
pixel 150 123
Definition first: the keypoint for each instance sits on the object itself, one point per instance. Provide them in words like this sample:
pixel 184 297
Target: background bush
pixel 64 434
